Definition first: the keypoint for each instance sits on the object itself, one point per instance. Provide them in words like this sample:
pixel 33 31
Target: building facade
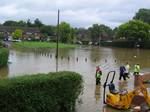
pixel 28 32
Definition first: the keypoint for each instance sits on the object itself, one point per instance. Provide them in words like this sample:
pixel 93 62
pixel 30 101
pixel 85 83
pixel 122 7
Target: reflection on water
pixel 110 109
pixel 97 92
pixel 83 61
pixel 122 85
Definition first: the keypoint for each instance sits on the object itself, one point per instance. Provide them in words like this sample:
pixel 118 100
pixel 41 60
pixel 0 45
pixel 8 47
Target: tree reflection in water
pixel 122 85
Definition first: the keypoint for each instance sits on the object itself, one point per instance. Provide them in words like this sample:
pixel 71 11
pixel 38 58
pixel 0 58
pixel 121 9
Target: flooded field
pixel 84 61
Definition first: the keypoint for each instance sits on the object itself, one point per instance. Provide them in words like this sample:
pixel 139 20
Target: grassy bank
pixel 4 53
pixel 53 92
pixel 41 45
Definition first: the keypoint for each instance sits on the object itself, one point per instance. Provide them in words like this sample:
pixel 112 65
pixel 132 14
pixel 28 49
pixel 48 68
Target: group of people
pixel 124 72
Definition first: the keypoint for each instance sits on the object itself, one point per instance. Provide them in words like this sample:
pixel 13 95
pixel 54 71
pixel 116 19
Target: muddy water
pixel 82 60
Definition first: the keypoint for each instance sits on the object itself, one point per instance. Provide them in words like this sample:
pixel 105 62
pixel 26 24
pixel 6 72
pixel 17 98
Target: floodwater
pixel 84 61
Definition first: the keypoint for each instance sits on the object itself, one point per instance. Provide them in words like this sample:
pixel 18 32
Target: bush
pixel 127 44
pixel 53 92
pixel 3 56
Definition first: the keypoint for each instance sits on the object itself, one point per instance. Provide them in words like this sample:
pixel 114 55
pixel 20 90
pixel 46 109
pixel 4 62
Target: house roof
pixel 25 29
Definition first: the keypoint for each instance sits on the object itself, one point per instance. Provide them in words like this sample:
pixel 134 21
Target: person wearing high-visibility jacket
pixel 136 69
pixel 98 75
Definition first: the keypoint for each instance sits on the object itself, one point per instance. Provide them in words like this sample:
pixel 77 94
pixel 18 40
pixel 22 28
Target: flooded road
pixel 84 61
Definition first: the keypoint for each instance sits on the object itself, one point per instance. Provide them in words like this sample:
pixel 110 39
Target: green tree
pixel 143 15
pixel 48 30
pixel 1 36
pixel 66 33
pixel 37 23
pixel 10 23
pixel 82 34
pixel 17 34
pixel 29 24
pixel 21 23
pixel 101 30
pixel 72 35
pixel 115 30
pixel 94 32
pixel 134 30
pixel 105 31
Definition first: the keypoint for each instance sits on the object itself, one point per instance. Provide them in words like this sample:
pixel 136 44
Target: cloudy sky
pixel 79 13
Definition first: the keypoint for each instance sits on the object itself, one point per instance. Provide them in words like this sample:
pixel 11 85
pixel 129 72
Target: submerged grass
pixel 42 45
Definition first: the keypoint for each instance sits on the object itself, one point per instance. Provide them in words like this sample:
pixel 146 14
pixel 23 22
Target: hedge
pixel 145 44
pixel 52 92
pixel 1 43
pixel 4 53
pixel 127 44
pixel 123 44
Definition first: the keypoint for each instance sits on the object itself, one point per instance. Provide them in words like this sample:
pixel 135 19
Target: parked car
pixel 16 40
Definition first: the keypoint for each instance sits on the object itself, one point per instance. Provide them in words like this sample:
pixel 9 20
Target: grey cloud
pixel 81 13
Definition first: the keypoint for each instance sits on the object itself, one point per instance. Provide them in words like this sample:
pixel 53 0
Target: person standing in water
pixel 136 69
pixel 122 73
pixel 127 70
pixel 98 75
pixel 136 74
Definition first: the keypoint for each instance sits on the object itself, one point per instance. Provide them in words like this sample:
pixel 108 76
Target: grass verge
pixel 42 45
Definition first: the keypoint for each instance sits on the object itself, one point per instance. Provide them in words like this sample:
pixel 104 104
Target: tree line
pixel 136 29
pixel 68 34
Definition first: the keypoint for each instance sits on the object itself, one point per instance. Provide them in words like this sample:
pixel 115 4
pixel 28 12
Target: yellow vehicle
pixel 122 99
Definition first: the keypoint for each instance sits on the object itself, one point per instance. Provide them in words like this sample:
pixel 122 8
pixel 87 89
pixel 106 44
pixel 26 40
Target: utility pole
pixel 57 42
pixel 99 40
